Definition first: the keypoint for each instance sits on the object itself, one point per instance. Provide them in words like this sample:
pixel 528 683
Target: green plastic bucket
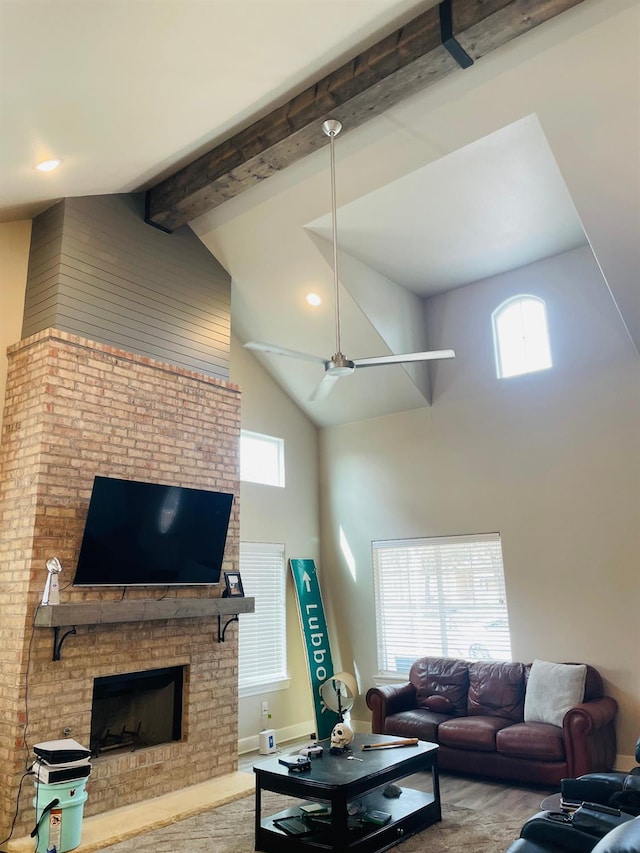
pixel 61 826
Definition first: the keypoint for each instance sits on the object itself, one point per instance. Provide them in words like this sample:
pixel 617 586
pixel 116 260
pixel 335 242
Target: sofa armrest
pixel 389 699
pixel 589 736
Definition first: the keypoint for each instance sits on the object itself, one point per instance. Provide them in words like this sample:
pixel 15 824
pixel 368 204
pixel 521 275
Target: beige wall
pixel 289 515
pixel 14 258
pixel 550 460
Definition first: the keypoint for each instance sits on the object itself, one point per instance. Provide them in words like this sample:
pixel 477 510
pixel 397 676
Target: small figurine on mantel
pixel 52 586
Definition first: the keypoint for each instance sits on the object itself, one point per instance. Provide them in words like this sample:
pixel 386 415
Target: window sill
pixel 390 678
pixel 264 687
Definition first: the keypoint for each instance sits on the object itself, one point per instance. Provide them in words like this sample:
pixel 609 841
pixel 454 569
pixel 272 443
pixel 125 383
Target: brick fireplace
pixel 76 409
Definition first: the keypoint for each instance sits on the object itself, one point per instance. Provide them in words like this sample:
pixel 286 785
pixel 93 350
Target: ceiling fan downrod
pixel 331 128
pixel 339 365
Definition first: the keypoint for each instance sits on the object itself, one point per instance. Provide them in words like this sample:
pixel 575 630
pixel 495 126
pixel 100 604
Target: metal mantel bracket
pixel 221 630
pixel 59 640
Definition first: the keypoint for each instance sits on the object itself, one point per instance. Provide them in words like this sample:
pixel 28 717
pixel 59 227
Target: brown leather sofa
pixel 475 711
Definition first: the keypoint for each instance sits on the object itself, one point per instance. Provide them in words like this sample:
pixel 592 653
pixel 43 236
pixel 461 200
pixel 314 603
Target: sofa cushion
pixel 418 722
pixel 538 741
pixel 447 677
pixel 496 689
pixel 593 685
pixel 475 733
pixel 553 688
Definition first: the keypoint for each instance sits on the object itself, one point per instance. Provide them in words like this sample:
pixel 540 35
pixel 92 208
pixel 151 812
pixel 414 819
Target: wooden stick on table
pixel 411 741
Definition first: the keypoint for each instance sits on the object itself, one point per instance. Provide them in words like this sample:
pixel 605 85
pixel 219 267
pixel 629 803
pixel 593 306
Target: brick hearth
pixel 75 409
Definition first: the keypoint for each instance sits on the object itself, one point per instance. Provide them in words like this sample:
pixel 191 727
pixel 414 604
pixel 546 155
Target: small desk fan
pixel 339 693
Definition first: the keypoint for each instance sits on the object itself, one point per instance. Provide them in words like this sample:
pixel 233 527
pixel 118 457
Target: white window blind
pixel 262 637
pixel 440 596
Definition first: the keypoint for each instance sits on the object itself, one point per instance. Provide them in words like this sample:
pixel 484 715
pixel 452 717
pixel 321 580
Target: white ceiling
pixel 492 168
pixel 123 90
pixel 489 207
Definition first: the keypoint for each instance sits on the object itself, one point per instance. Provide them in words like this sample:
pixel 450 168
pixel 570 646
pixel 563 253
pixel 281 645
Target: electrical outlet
pixel 265 707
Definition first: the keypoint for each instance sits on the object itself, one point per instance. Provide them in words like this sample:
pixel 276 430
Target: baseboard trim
pixel 298 732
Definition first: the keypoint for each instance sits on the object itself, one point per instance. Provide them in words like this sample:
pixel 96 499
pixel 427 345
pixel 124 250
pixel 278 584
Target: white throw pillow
pixel 552 689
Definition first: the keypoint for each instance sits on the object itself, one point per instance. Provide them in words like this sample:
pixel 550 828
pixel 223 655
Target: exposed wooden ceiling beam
pixel 403 63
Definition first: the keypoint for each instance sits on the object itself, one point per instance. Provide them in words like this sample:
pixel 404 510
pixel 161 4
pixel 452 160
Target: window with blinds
pixel 442 596
pixel 262 637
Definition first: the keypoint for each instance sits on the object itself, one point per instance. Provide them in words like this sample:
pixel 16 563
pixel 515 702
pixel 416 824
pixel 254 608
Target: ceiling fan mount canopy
pixel 339 365
pixel 331 127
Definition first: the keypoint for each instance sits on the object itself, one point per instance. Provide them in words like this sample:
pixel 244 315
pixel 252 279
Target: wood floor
pixel 502 798
pixel 520 801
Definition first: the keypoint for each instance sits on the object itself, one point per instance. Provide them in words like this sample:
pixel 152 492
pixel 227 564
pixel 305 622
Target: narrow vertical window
pixel 521 336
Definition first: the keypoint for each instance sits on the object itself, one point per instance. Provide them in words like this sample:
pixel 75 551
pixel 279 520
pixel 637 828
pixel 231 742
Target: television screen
pixel 146 534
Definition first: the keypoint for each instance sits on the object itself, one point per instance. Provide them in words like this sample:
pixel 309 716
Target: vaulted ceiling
pixel 532 150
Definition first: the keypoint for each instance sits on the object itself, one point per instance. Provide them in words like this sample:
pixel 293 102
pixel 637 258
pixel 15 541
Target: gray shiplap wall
pixel 98 271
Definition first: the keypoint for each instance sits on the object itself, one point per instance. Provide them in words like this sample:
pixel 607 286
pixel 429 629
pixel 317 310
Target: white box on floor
pixel 266 741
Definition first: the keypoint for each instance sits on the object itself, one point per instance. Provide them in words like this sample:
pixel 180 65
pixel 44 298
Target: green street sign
pixel 314 630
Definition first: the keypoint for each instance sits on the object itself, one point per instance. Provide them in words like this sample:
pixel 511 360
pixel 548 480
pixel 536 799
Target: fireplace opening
pixel 136 709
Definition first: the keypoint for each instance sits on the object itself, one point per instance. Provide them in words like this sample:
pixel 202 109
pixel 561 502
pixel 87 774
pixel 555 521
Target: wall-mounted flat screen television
pixel 147 534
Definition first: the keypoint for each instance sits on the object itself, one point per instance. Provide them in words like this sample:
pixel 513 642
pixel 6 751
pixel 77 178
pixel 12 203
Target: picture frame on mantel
pixel 233 585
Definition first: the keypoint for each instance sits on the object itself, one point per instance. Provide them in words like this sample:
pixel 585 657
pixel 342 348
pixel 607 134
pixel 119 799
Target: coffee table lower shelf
pixel 411 813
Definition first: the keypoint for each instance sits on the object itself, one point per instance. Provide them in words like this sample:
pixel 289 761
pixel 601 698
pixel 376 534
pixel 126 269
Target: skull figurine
pixel 341 737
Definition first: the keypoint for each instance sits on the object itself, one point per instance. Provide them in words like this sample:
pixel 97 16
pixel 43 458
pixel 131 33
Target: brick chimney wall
pixel 76 409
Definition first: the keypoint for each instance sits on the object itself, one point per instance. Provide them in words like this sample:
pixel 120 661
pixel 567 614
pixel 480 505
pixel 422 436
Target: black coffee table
pixel 350 789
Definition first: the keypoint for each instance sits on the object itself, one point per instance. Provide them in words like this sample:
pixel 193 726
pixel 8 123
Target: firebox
pixel 136 709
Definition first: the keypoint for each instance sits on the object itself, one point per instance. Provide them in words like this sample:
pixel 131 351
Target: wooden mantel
pixel 140 610
pixel 442 40
pixel 59 616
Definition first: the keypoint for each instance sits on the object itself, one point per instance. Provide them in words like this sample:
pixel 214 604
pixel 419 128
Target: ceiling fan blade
pixel 399 359
pixel 291 353
pixel 324 388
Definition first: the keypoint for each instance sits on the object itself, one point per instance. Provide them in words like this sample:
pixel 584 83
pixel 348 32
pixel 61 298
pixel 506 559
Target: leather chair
pixel 621 790
pixel 554 832
pixel 540 835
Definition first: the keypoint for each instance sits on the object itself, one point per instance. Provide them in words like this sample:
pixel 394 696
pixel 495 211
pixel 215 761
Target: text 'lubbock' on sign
pixel 314 629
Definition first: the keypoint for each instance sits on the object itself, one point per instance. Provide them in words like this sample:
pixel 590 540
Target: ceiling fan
pixel 339 365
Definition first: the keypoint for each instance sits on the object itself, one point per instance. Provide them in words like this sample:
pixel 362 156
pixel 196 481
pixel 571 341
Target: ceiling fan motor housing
pixel 339 365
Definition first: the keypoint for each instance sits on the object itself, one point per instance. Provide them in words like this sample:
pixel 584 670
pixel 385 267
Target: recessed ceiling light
pixel 314 299
pixel 48 165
